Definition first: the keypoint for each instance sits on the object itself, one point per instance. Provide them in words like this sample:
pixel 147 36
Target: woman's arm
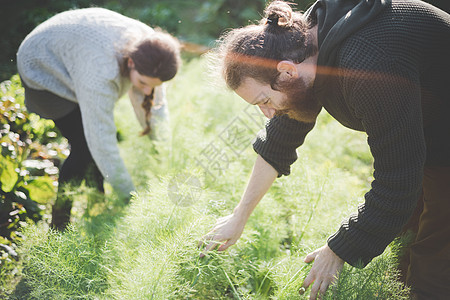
pixel 96 99
pixel 229 229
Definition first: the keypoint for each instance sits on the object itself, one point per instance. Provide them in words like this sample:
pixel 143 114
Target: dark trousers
pixel 428 272
pixel 78 166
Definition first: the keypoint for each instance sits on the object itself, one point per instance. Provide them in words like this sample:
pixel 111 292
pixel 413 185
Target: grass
pixel 148 249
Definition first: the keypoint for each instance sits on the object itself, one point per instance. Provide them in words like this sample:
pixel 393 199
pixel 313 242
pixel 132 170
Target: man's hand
pixel 325 270
pixel 229 229
pixel 225 233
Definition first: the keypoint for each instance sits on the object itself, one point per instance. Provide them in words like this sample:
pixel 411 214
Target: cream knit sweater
pixel 75 55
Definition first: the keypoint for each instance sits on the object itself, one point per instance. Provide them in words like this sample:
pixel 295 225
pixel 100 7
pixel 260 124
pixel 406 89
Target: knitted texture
pixel 75 55
pixel 389 78
pixel 278 141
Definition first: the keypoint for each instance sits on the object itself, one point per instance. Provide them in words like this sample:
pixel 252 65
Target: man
pixel 378 66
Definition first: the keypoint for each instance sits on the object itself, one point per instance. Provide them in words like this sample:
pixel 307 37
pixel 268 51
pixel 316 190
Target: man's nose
pixel 267 111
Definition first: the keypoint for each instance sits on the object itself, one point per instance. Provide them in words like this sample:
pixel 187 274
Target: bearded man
pixel 377 66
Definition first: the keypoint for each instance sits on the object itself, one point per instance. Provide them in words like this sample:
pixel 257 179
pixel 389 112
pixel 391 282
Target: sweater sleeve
pixel 160 116
pixel 137 98
pixel 96 92
pixel 277 143
pixel 389 108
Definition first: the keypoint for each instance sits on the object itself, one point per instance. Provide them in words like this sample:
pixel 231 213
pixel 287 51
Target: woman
pixel 74 67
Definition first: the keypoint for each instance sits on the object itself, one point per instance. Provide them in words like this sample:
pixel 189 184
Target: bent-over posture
pixel 74 67
pixel 376 66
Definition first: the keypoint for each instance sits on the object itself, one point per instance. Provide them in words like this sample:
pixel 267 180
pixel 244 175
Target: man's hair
pixel 255 50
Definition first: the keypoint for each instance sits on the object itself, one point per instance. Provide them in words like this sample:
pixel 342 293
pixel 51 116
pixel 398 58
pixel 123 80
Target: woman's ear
pixel 287 69
pixel 130 64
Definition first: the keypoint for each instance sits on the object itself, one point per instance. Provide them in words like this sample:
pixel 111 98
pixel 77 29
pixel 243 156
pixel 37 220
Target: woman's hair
pixel 255 50
pixel 147 106
pixel 155 56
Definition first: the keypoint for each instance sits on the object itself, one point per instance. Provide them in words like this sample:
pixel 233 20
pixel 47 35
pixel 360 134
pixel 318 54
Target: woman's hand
pixel 325 270
pixel 225 233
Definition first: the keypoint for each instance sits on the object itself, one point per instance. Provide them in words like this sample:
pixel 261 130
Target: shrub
pixel 31 149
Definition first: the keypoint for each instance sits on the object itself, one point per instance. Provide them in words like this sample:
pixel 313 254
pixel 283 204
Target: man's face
pixel 256 93
pixel 293 98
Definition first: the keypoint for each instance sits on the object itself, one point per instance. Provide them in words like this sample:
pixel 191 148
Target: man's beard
pixel 300 103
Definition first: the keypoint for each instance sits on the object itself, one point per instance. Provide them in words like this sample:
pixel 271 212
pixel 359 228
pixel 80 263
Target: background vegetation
pixel 199 21
pixel 31 151
pixel 148 249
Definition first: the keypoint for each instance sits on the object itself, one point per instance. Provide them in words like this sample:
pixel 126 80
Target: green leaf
pixel 8 175
pixel 41 189
pixel 31 207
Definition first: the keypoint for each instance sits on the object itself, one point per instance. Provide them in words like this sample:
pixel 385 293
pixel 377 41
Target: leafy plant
pixel 30 151
pixel 148 249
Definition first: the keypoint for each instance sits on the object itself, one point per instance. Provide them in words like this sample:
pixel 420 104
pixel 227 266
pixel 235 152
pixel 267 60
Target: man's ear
pixel 287 70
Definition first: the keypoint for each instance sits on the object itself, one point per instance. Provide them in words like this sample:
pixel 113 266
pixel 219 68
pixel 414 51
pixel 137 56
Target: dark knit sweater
pixel 383 69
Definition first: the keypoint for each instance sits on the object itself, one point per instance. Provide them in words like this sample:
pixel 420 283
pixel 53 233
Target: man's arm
pixel 389 107
pixel 228 230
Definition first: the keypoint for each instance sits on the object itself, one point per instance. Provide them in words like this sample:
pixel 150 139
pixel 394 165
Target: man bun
pixel 254 51
pixel 279 14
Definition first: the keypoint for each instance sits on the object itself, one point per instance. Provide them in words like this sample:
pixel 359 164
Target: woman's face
pixel 143 83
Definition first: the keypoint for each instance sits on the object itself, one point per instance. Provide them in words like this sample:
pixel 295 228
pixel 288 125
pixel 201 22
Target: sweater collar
pixel 338 19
